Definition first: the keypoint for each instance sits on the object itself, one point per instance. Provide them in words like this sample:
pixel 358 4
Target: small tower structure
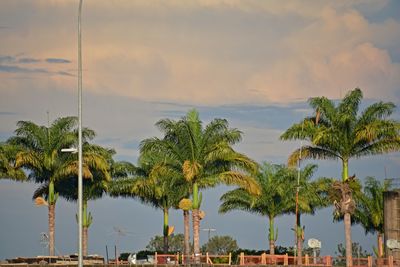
pixel 391 199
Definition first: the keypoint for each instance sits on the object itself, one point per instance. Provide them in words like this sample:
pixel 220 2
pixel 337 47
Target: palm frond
pixel 348 107
pixel 41 191
pixel 244 181
pixel 325 108
pixel 310 152
pixel 29 159
pixel 379 147
pixel 376 111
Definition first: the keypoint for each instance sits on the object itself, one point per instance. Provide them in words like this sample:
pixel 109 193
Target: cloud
pixel 131 145
pixel 7 59
pixel 65 73
pixel 277 7
pixel 57 60
pixel 349 52
pixel 7 113
pixel 21 70
pixel 220 52
pixel 15 65
pixel 17 59
pixel 16 69
pixel 27 60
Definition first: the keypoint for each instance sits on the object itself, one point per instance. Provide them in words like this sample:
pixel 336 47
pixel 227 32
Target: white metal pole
pixel 80 256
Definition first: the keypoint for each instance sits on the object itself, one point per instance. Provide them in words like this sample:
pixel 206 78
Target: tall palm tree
pixel 309 195
pixel 339 132
pixel 205 156
pixel 272 202
pixel 155 185
pixel 8 170
pixel 96 174
pixel 185 204
pixel 369 209
pixel 41 155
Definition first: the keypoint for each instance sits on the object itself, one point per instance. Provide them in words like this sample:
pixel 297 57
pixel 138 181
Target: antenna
pixel 209 230
pixel 119 232
pixel 384 166
pixel 48 118
pixel 48 127
pixel 44 240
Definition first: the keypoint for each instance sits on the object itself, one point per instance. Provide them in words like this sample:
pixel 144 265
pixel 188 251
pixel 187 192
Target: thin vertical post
pixel 80 257
pixel 391 261
pixel 297 227
pixel 107 254
pixel 115 254
pixel 286 259
pixel 263 259
pixel 369 261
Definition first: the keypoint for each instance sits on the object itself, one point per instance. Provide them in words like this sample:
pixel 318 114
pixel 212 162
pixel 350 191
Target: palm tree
pixel 186 205
pixel 8 170
pixel 205 157
pixel 154 185
pixel 96 174
pixel 272 202
pixel 339 132
pixel 310 196
pixel 41 155
pixel 369 209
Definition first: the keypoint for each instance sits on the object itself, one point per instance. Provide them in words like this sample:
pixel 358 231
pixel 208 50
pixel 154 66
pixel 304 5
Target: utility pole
pixel 80 183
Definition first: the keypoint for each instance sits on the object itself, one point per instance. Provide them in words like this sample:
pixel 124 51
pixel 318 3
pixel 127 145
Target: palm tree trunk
pixel 85 226
pixel 186 235
pixel 85 240
pixel 196 238
pixel 347 220
pixel 271 236
pixel 165 230
pixel 196 223
pixel 299 234
pixel 299 249
pixel 52 210
pixel 380 245
pixel 51 228
pixel 347 230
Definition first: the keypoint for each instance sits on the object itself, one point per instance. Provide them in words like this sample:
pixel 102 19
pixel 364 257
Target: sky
pixel 254 63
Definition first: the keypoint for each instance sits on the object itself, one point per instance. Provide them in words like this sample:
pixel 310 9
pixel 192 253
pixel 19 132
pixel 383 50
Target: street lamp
pixel 79 150
pixel 72 150
pixel 80 258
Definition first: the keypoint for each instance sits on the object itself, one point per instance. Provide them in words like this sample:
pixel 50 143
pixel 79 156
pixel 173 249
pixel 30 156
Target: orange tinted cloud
pixel 207 52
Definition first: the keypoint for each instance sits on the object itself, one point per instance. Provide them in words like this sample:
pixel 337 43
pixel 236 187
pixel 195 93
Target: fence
pixel 243 260
pixel 266 259
pixel 204 259
pixel 283 260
